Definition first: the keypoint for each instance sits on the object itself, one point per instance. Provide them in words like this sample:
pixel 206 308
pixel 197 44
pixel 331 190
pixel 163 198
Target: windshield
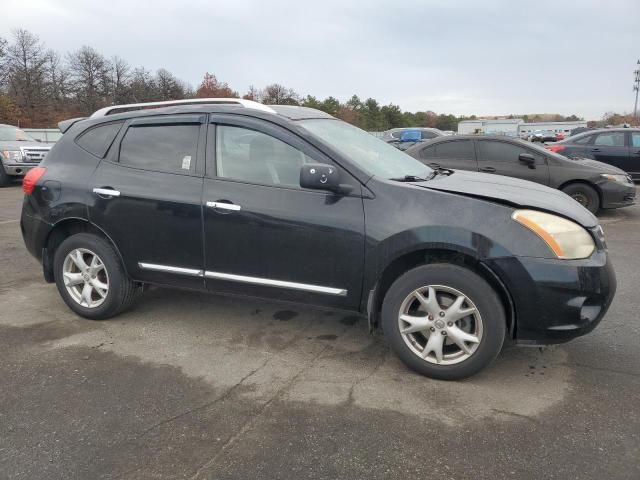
pixel 13 134
pixel 371 154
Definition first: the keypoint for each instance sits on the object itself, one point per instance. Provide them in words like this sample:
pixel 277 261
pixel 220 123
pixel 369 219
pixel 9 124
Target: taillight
pixel 555 148
pixel 31 178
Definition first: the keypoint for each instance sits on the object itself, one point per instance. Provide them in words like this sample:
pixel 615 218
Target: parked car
pixel 395 134
pixel 594 184
pixel 542 136
pixel 619 147
pixel 559 136
pixel 289 203
pixel 44 135
pixel 19 153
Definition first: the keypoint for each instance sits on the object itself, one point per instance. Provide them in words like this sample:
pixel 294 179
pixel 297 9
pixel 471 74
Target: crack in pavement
pixel 251 421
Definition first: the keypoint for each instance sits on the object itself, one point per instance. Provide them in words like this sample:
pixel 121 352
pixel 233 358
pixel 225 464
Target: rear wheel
pixel 585 195
pixel 444 321
pixel 90 277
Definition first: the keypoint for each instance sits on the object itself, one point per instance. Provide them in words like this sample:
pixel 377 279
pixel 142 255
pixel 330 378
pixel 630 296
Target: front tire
pixel 443 321
pixel 90 277
pixel 5 179
pixel 584 195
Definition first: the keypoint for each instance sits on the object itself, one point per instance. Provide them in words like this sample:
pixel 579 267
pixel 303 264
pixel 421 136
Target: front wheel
pixel 5 180
pixel 90 277
pixel 584 195
pixel 444 321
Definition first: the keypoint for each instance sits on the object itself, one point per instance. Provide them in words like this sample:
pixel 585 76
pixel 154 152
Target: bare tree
pixel 252 94
pixel 169 87
pixel 91 77
pixel 143 86
pixel 212 88
pixel 276 94
pixel 25 66
pixel 120 78
pixel 58 79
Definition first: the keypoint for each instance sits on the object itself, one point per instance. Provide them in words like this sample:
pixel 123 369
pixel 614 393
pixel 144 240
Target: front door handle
pixel 224 205
pixel 106 192
pixel 488 169
pixel 595 149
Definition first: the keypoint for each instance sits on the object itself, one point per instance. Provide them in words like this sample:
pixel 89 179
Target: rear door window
pixel 635 139
pixel 462 149
pixel 161 147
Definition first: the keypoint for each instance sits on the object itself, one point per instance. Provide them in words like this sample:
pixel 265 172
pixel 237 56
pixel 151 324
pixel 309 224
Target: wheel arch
pixel 424 256
pixel 582 182
pixel 64 229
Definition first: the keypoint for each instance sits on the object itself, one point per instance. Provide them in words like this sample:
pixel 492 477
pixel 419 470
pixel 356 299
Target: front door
pixel 502 158
pixel 147 198
pixel 266 236
pixel 609 147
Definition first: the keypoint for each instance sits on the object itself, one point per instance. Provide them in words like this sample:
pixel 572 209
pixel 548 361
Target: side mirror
pixel 320 176
pixel 527 159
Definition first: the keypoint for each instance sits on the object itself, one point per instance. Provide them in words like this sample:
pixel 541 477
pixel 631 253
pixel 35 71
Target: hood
pixel 603 167
pixel 15 145
pixel 513 191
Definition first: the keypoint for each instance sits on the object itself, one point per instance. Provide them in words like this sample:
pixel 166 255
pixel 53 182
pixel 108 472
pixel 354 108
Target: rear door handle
pixel 595 149
pixel 106 192
pixel 224 205
pixel 488 169
pixel 434 165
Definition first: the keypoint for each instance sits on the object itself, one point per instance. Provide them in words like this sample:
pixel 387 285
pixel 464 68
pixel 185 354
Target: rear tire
pixel 90 277
pixel 481 331
pixel 585 195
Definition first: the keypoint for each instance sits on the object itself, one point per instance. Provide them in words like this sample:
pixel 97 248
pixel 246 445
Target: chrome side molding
pixel 276 283
pixel 341 292
pixel 166 268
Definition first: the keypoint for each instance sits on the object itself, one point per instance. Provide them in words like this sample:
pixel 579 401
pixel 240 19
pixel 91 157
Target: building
pixel 501 126
pixel 526 129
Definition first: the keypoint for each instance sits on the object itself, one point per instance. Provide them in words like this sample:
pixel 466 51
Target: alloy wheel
pixel 85 278
pixel 440 324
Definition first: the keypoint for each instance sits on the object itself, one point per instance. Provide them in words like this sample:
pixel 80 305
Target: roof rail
pixel 187 101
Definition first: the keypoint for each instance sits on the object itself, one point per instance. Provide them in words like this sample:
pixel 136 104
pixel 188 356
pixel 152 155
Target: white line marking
pixel 8 221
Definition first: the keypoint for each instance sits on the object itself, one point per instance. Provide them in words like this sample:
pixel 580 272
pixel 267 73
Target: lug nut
pixel 443 332
pixel 450 324
pixel 432 329
pixel 442 314
pixel 430 317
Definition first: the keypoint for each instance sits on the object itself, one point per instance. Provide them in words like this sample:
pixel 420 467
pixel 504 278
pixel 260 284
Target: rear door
pixel 633 164
pixel 502 158
pixel 147 198
pixel 264 234
pixel 609 147
pixel 455 154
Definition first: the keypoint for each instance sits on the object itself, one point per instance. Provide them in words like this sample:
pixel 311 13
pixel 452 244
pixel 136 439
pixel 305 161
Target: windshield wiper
pixel 409 178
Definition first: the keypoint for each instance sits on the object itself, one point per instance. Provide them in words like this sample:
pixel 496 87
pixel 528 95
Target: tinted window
pixel 635 139
pixel 460 149
pixel 610 139
pixel 255 157
pixel 502 152
pixel 582 140
pixel 97 140
pixel 426 135
pixel 168 148
pixel 428 152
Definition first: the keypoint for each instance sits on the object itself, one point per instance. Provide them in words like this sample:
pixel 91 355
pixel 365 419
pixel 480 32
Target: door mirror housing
pixel 527 159
pixel 320 176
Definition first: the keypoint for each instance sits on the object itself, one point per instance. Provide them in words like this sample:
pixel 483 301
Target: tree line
pixel 39 87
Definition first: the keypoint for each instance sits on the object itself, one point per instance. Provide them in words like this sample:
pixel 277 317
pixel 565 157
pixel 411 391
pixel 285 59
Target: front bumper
pixel 18 169
pixel 556 300
pixel 616 195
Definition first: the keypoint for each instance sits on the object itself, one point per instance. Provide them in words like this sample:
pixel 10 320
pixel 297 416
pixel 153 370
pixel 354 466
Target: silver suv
pixel 19 153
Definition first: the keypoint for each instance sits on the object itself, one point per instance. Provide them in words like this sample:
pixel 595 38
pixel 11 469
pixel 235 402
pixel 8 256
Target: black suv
pixel 289 203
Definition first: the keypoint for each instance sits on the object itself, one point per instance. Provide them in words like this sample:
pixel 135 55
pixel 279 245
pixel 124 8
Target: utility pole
pixel 636 88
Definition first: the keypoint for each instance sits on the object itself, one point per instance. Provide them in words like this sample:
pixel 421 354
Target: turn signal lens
pixel 555 148
pixel 566 239
pixel 31 178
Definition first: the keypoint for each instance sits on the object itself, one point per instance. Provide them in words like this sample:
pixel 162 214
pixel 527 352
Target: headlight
pixel 12 155
pixel 566 239
pixel 617 178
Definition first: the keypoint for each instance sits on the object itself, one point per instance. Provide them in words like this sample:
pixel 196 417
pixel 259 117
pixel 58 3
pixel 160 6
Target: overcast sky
pixel 476 57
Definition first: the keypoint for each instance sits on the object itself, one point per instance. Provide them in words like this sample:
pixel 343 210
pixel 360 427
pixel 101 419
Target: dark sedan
pixel 619 147
pixel 594 184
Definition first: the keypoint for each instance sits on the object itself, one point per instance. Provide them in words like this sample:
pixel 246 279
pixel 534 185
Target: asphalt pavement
pixel 195 386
